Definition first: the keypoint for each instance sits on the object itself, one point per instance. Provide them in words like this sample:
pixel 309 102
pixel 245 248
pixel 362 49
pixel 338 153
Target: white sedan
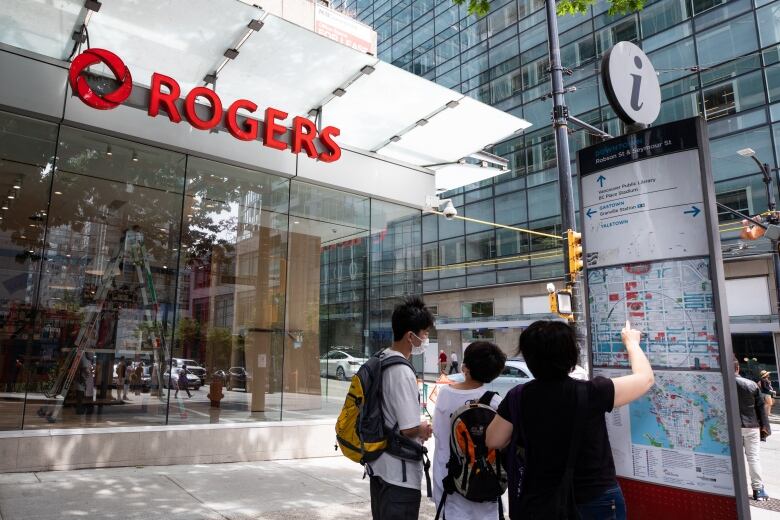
pixel 340 364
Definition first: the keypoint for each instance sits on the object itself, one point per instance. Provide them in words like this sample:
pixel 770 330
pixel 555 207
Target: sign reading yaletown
pixel 165 93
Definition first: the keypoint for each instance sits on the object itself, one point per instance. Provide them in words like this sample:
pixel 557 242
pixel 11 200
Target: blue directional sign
pixel 693 211
pixel 591 212
pixel 601 180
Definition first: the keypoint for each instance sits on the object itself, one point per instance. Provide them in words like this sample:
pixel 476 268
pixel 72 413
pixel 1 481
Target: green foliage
pixel 581 6
pixel 477 7
pixel 482 7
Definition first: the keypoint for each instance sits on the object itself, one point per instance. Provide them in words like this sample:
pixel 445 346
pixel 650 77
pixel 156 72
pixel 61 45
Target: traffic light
pixel 574 249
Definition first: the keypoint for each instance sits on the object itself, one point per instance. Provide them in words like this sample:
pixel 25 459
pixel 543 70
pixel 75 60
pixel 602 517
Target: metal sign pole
pixel 721 321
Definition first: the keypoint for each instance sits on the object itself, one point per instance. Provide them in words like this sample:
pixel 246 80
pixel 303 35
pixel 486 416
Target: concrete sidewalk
pixel 316 489
pixel 326 488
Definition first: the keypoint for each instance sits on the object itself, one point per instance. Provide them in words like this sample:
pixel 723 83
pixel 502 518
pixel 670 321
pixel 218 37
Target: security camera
pixel 449 211
pixel 550 288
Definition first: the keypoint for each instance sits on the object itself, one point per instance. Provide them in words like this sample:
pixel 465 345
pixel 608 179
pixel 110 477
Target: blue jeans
pixel 610 505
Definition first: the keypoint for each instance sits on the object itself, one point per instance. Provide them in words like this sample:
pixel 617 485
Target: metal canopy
pixel 378 107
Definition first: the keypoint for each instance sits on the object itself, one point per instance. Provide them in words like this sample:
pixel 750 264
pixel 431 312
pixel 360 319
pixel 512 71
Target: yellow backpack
pixel 360 429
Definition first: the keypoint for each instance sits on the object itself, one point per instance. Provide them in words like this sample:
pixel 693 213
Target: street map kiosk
pixel 652 256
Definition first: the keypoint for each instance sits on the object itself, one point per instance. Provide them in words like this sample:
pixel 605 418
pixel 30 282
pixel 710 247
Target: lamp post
pixel 772 218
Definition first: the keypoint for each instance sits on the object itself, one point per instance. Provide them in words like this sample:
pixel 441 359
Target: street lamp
pixel 766 172
pixel 772 232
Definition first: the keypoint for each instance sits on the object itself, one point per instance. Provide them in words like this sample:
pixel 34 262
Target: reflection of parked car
pixel 515 373
pixel 236 377
pixel 340 363
pixel 192 367
pixel 193 381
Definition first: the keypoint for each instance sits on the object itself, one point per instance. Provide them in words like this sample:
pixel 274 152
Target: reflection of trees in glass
pixel 219 342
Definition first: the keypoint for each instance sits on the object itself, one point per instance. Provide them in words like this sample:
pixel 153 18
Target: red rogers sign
pixel 304 133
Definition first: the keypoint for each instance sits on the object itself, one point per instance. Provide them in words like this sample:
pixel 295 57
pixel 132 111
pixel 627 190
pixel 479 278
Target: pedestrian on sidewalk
pixel 558 422
pixel 442 362
pixel 182 383
pixel 483 361
pixel 121 386
pixel 395 482
pixel 755 423
pixel 453 363
pixel 767 392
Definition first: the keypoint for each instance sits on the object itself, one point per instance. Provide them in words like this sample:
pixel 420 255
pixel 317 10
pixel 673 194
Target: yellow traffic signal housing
pixel 560 304
pixel 574 249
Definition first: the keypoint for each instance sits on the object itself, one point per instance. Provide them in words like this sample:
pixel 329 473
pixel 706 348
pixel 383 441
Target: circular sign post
pixel 631 84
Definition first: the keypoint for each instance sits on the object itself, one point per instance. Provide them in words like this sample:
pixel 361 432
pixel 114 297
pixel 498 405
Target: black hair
pixel 549 348
pixel 410 315
pixel 485 361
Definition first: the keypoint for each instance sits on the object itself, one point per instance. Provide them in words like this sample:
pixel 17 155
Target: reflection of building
pixel 134 236
pixel 715 58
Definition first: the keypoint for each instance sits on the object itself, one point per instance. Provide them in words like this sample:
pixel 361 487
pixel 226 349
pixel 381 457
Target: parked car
pixel 515 373
pixel 193 367
pixel 340 363
pixel 193 381
pixel 236 377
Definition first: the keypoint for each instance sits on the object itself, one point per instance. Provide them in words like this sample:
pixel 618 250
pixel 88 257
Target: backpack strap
pixel 487 397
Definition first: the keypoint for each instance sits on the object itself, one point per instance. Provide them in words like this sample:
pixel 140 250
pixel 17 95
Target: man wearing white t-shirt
pixel 395 482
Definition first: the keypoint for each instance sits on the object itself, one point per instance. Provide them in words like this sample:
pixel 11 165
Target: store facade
pixel 133 244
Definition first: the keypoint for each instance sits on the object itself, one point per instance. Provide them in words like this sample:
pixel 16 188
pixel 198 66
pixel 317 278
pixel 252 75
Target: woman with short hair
pixel 545 413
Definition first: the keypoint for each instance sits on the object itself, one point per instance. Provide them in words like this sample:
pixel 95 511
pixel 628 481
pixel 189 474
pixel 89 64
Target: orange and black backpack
pixel 473 470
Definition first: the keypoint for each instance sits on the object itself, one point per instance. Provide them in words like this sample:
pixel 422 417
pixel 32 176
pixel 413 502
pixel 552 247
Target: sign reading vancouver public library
pixel 647 238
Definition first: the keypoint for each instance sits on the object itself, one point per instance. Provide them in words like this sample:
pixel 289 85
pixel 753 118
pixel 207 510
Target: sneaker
pixel 760 494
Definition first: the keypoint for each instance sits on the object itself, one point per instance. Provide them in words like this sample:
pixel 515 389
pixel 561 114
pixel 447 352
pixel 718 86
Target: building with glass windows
pixel 715 58
pixel 176 286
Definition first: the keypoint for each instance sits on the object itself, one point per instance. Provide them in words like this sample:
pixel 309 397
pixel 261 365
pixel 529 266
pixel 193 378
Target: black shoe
pixel 760 495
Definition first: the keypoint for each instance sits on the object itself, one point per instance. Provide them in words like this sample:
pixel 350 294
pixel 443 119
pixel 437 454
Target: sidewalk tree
pixel 482 7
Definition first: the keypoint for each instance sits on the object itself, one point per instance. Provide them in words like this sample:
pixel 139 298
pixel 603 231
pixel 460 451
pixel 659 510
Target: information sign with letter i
pixel 652 256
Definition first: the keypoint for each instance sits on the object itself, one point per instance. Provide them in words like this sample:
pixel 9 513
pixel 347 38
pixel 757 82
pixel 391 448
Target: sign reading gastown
pixel 631 84
pixel 304 133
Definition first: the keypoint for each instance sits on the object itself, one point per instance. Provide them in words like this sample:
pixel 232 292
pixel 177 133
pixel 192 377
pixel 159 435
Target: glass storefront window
pixel 108 282
pixel 27 149
pixel 139 271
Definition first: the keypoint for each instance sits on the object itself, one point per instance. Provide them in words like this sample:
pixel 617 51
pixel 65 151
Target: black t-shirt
pixel 547 412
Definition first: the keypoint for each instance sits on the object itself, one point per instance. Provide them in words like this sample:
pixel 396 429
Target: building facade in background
pixel 715 58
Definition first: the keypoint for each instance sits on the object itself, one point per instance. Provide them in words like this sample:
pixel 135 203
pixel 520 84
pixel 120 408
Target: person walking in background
pixel 121 372
pixel 767 392
pixel 138 375
pixel 755 423
pixel 561 427
pixel 482 363
pixel 182 383
pixel 442 362
pixel 453 363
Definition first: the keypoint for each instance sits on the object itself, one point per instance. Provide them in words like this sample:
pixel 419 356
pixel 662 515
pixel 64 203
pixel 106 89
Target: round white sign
pixel 631 83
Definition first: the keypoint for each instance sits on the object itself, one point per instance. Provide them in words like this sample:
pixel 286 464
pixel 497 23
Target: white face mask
pixel 416 351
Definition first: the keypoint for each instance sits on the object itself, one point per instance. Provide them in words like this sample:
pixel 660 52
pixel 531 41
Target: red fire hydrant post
pixel 215 390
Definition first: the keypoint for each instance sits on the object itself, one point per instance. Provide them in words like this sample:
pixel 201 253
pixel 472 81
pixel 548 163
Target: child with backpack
pixel 468 478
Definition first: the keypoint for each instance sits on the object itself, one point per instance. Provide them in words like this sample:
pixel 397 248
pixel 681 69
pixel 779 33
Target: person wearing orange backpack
pixel 458 410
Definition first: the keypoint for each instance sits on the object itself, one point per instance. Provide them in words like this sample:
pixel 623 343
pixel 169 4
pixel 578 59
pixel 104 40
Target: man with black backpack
pixel 395 481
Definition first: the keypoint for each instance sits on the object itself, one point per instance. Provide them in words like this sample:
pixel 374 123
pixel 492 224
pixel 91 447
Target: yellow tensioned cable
pixel 542 255
pixel 513 228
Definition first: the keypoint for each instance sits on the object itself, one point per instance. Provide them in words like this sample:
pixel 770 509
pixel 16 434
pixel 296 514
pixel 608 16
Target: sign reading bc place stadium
pixel 304 133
